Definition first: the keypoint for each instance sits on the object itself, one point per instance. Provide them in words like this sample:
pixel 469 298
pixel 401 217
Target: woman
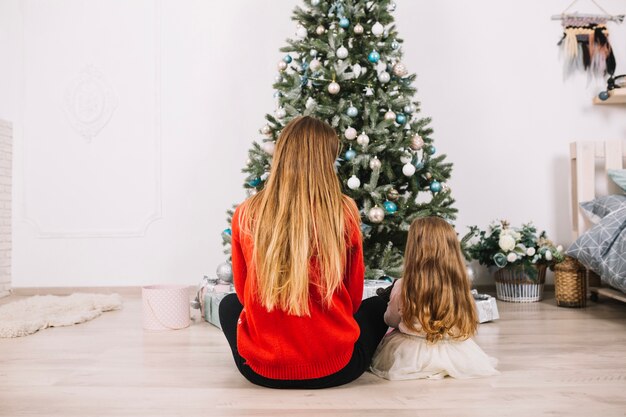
pixel 297 320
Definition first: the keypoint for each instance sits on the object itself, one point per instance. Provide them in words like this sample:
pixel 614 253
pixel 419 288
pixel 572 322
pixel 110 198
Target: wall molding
pixel 89 120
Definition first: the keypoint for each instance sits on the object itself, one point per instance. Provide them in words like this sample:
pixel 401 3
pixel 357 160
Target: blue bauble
pixel 604 95
pixel 390 207
pixel 400 118
pixel 350 154
pixel 344 22
pixel 419 165
pixel 373 57
pixel 352 111
pixel 432 150
pixel 254 182
pixel 228 232
pixel 435 186
pixel 287 59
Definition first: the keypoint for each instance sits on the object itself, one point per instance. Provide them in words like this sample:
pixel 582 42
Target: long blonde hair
pixel 300 215
pixel 436 289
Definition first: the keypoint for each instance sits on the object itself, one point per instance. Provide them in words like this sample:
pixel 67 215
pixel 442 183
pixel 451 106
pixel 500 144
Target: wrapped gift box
pixel 212 302
pixel 486 307
pixel 371 285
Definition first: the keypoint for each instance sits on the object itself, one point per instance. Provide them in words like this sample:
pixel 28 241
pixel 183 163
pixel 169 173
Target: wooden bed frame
pixel 589 163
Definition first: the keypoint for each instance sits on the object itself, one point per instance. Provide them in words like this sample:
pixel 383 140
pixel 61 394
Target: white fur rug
pixel 24 317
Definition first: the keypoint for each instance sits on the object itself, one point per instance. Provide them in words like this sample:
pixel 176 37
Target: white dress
pixel 404 354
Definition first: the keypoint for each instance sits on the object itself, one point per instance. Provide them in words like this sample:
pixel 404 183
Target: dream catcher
pixel 585 45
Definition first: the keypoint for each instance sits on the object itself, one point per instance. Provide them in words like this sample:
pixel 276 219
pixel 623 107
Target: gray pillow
pixel 603 249
pixel 598 208
pixel 619 177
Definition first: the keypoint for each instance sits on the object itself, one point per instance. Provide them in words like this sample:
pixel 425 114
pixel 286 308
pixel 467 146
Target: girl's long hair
pixel 436 289
pixel 298 220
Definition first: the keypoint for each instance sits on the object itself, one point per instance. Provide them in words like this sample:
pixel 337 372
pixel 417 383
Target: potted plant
pixel 519 256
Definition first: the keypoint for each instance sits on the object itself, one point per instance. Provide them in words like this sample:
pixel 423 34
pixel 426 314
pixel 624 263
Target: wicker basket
pixel 570 283
pixel 520 284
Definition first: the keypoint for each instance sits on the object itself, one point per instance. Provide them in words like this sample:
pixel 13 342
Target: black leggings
pixel 370 320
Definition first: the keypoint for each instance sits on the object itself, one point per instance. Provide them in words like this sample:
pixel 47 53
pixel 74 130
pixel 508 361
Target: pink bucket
pixel 165 307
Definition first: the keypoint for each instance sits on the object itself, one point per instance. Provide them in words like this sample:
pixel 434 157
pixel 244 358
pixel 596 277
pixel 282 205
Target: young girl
pixel 297 320
pixel 432 311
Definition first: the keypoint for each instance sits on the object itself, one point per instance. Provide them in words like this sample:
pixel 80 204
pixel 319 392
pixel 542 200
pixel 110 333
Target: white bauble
pixel 375 163
pixel 333 88
pixel 376 214
pixel 378 29
pixel 282 65
pixel 354 182
pixel 384 77
pixel 399 69
pixel 264 176
pixel 280 113
pixel 342 52
pixel 315 65
pixel 406 158
pixel 390 115
pixel 268 147
pixel 408 170
pixel 266 130
pixel 320 30
pixel 358 29
pixel 301 32
pixel 251 192
pixel 417 143
pixel 363 139
pixel 409 108
pixel 350 133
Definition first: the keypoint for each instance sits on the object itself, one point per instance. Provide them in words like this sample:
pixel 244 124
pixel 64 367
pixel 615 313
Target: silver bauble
pixel 333 88
pixel 417 143
pixel 251 191
pixel 282 65
pixel 375 163
pixel 376 214
pixel 378 29
pixel 342 52
pixel 384 77
pixel 268 147
pixel 313 52
pixel 320 30
pixel 315 65
pixel 408 170
pixel 354 182
pixel 350 133
pixel 358 29
pixel 409 108
pixel 280 113
pixel 315 2
pixel 225 272
pixel 363 139
pixel 390 115
pixel 266 130
pixel 399 69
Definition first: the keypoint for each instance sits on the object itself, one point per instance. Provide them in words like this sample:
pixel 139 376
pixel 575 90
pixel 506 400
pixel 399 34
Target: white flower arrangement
pixel 500 245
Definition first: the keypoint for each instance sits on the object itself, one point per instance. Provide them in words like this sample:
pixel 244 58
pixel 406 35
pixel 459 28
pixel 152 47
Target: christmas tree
pixel 344 66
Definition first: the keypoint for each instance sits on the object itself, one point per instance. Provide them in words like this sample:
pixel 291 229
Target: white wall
pixel 176 90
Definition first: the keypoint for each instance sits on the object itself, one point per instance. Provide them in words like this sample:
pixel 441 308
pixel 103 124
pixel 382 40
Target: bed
pixel 590 162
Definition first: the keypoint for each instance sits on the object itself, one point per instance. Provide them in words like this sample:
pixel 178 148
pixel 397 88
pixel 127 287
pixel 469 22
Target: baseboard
pixel 70 290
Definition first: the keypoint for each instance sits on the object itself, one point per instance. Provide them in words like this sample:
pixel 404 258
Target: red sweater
pixel 277 345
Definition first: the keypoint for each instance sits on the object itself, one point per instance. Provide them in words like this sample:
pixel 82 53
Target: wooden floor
pixel 554 361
